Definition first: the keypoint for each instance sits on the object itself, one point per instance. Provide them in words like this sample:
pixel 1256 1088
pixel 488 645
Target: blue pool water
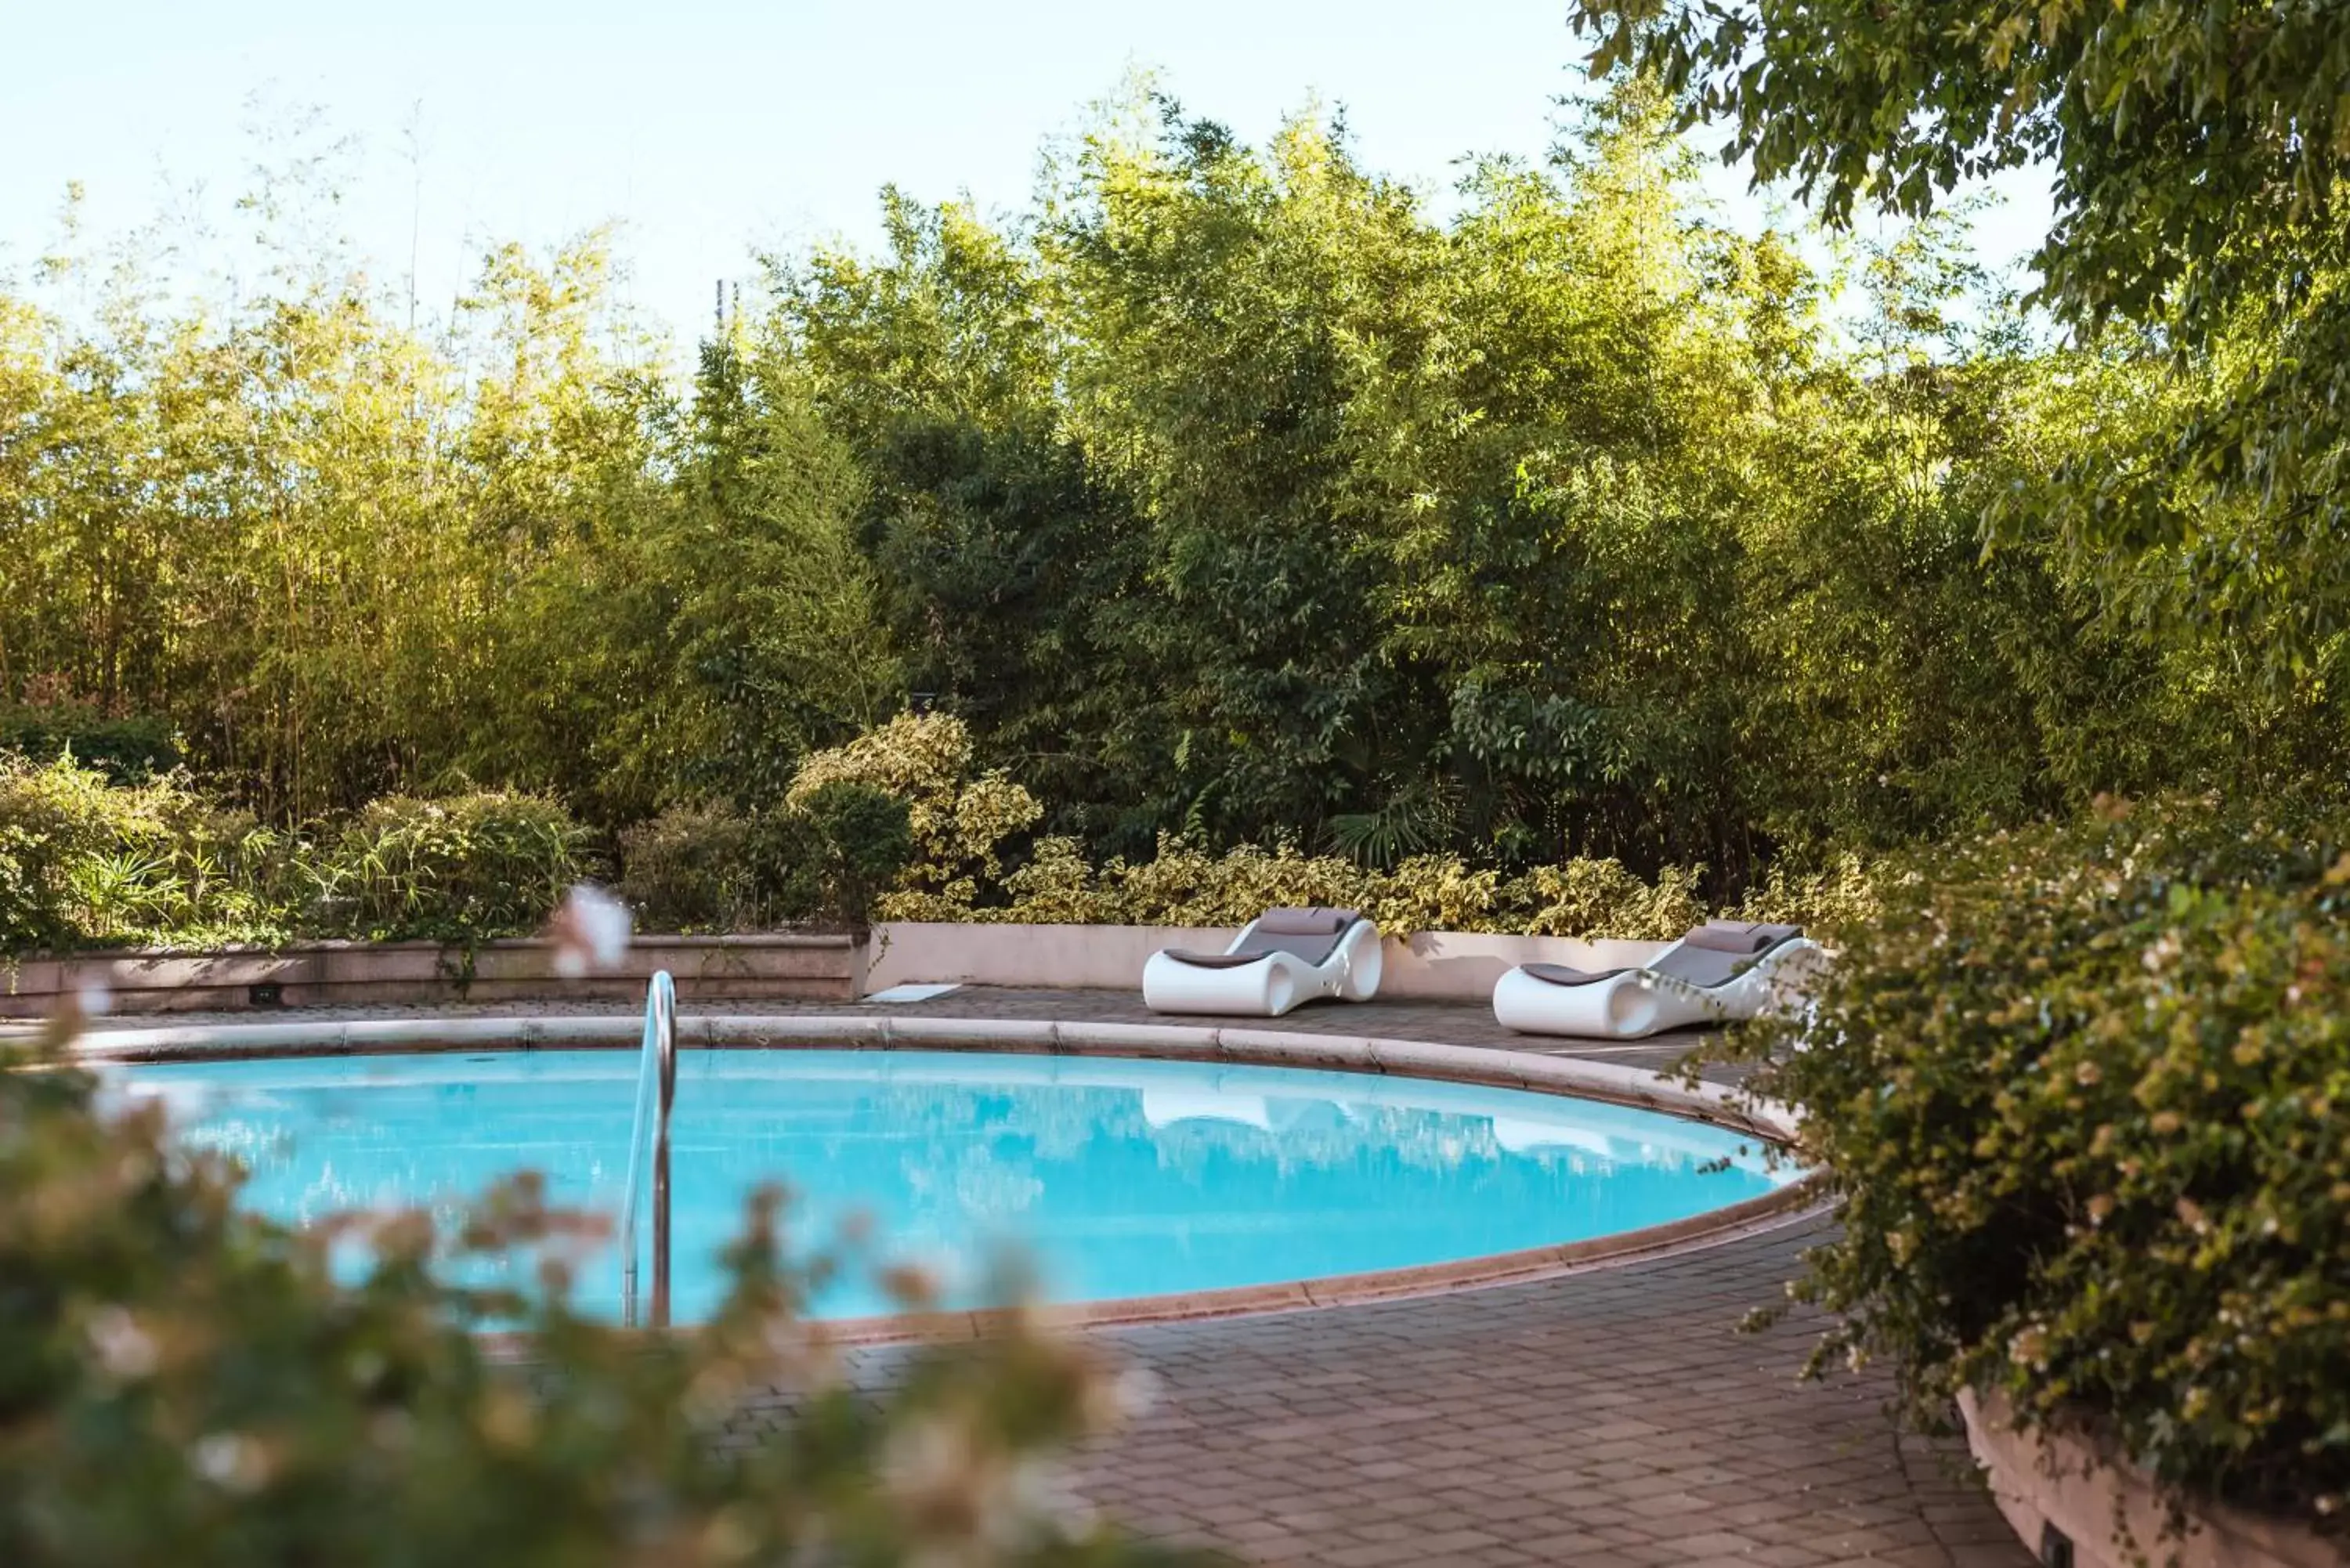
pixel 1114 1178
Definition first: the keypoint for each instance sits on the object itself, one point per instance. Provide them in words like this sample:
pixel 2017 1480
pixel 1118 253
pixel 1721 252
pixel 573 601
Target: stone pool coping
pixel 1572 1076
pixel 1566 1077
pixel 1790 1204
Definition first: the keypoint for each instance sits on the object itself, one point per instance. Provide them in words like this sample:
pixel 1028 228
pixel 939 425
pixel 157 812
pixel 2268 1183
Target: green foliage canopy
pixel 2195 153
pixel 341 558
pixel 1228 494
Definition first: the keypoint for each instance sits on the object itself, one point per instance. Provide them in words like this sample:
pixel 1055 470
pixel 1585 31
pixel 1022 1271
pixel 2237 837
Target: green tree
pixel 1005 553
pixel 340 557
pixel 2194 153
pixel 1226 306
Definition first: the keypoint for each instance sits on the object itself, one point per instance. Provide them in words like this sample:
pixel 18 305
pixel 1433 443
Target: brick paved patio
pixel 1614 1418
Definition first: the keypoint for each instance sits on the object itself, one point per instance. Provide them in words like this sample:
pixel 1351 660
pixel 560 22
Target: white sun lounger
pixel 1722 971
pixel 1280 959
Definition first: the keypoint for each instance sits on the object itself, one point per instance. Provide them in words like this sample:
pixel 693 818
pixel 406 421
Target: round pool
pixel 1115 1179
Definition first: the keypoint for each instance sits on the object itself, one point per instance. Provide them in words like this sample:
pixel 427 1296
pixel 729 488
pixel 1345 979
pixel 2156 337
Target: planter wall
pixel 328 974
pixel 1430 966
pixel 2111 1513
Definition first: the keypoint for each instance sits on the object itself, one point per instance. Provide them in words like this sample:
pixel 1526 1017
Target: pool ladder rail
pixel 656 1092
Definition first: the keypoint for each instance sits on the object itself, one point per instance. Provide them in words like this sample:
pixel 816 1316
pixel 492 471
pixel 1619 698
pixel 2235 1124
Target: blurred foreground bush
pixel 184 1384
pixel 2085 1095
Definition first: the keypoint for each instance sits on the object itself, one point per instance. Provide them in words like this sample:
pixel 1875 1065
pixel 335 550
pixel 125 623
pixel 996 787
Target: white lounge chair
pixel 1280 959
pixel 1724 970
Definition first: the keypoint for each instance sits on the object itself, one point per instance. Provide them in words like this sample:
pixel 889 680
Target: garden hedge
pixel 88 862
pixel 895 826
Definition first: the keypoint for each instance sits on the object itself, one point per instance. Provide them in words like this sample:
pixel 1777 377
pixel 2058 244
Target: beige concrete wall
pixel 1463 965
pixel 1429 966
pixel 1107 957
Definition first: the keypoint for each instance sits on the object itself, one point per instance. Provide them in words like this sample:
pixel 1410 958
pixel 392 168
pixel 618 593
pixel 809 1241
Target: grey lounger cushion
pixel 1312 935
pixel 1721 951
pixel 1741 936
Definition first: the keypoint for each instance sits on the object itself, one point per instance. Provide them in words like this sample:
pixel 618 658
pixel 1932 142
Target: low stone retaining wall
pixel 1427 966
pixel 2112 1514
pixel 328 974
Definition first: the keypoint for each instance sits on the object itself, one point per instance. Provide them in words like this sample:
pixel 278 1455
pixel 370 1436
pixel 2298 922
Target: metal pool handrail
pixel 656 1092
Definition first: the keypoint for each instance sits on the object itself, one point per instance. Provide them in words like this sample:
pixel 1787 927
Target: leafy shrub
pixel 1834 900
pixel 181 1383
pixel 866 839
pixel 959 823
pixel 1600 897
pixel 53 819
pixel 2081 1091
pixel 464 869
pixel 1057 886
pixel 83 860
pixel 830 858
pixel 1185 885
pixel 695 868
pixel 128 751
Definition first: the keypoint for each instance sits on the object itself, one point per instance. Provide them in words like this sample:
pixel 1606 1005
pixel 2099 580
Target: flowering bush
pixel 958 823
pixel 2082 1092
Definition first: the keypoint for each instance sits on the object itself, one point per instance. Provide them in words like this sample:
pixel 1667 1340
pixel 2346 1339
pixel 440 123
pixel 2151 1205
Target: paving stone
pixel 1785 1557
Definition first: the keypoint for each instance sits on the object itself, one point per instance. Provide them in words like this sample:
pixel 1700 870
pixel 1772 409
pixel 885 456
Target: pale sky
pixel 708 130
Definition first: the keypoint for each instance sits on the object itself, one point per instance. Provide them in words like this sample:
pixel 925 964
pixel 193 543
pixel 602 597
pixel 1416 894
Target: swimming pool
pixel 1115 1178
